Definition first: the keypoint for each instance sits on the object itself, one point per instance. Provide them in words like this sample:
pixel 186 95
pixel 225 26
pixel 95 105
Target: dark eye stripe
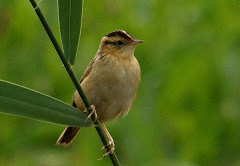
pixel 114 43
pixel 109 42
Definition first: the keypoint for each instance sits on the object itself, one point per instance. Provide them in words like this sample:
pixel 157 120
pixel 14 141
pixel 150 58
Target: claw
pixel 93 111
pixel 111 147
pixel 104 148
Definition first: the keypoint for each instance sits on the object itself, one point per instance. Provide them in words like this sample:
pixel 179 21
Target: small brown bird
pixel 110 82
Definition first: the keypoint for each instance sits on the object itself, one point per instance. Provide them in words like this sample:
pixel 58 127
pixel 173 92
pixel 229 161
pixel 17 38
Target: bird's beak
pixel 135 42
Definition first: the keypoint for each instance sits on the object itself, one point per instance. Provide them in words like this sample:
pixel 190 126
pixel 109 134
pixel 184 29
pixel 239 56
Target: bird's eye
pixel 107 42
pixel 119 43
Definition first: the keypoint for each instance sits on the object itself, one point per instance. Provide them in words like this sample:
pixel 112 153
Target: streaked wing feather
pixel 88 70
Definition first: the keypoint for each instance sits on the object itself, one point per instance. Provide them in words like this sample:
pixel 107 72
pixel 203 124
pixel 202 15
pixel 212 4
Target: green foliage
pixel 70 19
pixel 187 110
pixel 20 101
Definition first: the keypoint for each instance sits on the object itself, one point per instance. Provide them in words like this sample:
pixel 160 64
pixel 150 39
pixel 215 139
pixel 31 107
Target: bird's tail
pixel 68 135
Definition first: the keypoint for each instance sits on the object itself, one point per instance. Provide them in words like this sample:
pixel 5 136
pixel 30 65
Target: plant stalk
pixel 74 79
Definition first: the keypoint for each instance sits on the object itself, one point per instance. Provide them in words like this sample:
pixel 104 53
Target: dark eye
pixel 107 42
pixel 119 43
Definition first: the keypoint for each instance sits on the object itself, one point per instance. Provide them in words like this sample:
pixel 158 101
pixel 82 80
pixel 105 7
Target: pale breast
pixel 111 86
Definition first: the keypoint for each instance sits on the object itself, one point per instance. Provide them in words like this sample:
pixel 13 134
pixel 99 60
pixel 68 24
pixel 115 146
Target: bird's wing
pixel 86 73
pixel 88 70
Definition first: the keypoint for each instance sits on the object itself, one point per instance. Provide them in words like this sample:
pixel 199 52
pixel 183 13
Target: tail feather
pixel 68 135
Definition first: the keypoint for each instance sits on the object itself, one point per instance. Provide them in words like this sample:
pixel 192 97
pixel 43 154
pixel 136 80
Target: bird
pixel 110 82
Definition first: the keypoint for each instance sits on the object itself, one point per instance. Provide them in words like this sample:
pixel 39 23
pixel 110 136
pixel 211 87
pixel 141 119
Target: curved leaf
pixel 70 21
pixel 21 101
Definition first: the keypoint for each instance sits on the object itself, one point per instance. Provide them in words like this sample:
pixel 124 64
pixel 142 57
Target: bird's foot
pixel 93 111
pixel 110 148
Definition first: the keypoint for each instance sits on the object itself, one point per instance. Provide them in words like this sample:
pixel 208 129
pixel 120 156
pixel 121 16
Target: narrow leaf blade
pixel 21 101
pixel 70 21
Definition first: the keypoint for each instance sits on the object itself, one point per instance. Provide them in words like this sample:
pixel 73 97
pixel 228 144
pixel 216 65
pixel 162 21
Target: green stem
pixel 74 79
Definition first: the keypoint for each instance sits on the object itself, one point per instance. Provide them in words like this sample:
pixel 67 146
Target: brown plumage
pixel 110 81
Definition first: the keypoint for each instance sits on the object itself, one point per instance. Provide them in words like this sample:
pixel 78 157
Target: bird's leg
pixel 93 111
pixel 110 147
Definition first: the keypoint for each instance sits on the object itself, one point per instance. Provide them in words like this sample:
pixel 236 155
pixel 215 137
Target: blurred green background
pixel 187 111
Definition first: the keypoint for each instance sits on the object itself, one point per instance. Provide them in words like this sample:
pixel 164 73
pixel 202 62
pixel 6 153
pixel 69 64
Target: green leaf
pixel 70 21
pixel 21 101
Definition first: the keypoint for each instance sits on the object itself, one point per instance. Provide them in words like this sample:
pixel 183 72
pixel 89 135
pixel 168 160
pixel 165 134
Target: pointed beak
pixel 135 42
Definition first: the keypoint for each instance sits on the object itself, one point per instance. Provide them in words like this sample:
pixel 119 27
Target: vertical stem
pixel 74 79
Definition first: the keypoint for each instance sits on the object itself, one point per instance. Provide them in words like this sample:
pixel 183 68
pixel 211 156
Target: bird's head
pixel 119 43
